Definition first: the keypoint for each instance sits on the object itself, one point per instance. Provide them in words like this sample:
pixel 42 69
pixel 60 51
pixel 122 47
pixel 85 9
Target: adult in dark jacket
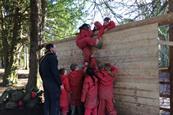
pixel 48 68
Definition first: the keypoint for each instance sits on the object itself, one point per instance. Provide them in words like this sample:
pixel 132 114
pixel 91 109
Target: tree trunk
pixel 34 38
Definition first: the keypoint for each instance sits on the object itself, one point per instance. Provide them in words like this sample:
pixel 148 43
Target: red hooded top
pixel 65 91
pixel 76 81
pixel 100 28
pixel 106 83
pixel 84 33
pixel 93 63
pixel 89 92
pixel 110 25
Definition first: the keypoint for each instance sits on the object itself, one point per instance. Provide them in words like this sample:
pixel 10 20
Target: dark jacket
pixel 48 68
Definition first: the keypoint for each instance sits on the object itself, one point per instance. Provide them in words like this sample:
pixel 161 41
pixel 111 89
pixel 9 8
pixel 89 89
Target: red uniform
pixel 100 29
pixel 110 25
pixel 106 92
pixel 85 43
pixel 93 63
pixel 90 95
pixel 64 97
pixel 76 81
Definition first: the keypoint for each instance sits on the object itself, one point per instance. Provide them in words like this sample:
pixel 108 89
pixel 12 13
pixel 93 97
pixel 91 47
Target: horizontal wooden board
pixel 126 108
pixel 137 99
pixel 141 86
pixel 135 92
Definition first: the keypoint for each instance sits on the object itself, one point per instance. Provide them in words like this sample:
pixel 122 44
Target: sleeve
pixel 67 85
pixel 85 90
pixel 111 25
pixel 54 69
pixel 101 31
pixel 114 69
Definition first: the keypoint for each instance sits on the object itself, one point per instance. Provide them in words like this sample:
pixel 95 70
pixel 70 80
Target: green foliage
pixel 61 19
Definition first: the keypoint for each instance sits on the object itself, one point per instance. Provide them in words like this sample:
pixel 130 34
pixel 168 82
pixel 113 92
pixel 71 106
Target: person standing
pixel 90 92
pixel 65 92
pixel 48 69
pixel 76 77
pixel 106 75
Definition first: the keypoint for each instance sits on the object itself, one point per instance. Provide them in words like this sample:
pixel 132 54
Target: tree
pixel 61 19
pixel 35 34
pixel 12 15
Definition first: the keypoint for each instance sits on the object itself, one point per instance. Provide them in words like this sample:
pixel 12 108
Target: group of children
pixel 91 85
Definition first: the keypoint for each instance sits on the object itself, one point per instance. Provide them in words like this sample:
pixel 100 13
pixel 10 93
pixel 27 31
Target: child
pixel 65 89
pixel 85 42
pixel 108 24
pixel 99 27
pixel 106 89
pixel 76 77
pixel 89 93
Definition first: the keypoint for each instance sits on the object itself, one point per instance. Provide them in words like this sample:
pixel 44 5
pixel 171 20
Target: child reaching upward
pixel 89 92
pixel 106 77
pixel 65 92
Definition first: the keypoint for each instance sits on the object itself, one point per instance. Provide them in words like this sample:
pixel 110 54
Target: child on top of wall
pixel 106 77
pixel 89 92
pixel 85 42
pixel 99 28
pixel 108 24
pixel 65 92
pixel 76 77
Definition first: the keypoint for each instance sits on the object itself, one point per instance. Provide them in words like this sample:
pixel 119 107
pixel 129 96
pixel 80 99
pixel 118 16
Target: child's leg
pixel 88 111
pixel 80 110
pixel 87 54
pixel 94 111
pixel 64 110
pixel 110 107
pixel 73 109
pixel 101 107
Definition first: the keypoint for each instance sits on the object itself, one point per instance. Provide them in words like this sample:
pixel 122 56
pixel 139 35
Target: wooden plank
pixel 136 99
pixel 135 92
pixel 141 86
pixel 133 79
pixel 169 43
pixel 133 34
pixel 125 108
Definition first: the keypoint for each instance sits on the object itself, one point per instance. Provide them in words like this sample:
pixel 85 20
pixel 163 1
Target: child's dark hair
pixel 73 66
pixel 91 73
pixel 49 46
pixel 62 71
pixel 84 26
pixel 107 19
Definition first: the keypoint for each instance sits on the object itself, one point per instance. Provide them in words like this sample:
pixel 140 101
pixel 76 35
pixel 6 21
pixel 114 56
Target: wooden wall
pixel 135 52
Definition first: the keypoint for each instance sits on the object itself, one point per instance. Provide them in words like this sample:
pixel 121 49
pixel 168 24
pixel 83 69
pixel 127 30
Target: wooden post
pixel 171 57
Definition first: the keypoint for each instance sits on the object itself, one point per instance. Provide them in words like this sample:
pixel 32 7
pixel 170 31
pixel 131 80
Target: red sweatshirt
pixel 89 92
pixel 64 97
pixel 76 81
pixel 106 83
pixel 82 35
pixel 100 28
pixel 110 25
